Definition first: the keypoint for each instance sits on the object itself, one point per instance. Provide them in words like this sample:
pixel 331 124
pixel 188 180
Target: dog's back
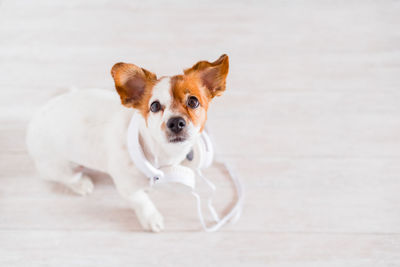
pixel 72 127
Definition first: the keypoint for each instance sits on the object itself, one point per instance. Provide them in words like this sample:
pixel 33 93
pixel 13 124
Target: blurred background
pixel 310 120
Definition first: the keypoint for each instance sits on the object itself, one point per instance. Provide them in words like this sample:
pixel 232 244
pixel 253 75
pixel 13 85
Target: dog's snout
pixel 176 124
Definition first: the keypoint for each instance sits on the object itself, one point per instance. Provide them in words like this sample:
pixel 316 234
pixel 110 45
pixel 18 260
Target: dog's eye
pixel 193 102
pixel 155 106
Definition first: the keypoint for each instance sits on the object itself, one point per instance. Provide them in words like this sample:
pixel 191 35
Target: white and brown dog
pixel 88 128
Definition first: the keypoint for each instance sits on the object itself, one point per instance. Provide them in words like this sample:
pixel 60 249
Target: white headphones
pixel 201 157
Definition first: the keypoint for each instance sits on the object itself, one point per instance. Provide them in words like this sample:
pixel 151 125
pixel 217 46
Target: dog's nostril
pixel 176 124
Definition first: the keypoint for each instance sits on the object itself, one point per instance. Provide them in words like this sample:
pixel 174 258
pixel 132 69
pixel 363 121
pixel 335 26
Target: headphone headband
pixel 136 151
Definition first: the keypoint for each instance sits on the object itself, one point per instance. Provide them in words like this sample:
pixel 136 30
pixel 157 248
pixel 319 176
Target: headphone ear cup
pixel 178 174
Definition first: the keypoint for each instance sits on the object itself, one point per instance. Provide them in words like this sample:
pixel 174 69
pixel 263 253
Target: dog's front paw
pixel 151 220
pixel 83 186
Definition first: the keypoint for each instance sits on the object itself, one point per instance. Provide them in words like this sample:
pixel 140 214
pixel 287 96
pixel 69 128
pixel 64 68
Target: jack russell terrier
pixel 88 128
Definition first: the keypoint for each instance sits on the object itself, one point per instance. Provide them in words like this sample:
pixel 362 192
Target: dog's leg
pixel 129 185
pixel 62 171
pixel 148 215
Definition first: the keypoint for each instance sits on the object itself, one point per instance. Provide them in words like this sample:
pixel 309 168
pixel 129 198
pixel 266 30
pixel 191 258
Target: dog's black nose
pixel 176 124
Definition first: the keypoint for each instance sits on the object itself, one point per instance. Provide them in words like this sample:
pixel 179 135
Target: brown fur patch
pixel 134 85
pixel 212 74
pixel 183 86
pixel 204 80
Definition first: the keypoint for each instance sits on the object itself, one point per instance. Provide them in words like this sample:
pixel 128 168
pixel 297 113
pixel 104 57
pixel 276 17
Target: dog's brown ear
pixel 133 83
pixel 212 74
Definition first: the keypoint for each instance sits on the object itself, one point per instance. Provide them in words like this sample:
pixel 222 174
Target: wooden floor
pixel 310 121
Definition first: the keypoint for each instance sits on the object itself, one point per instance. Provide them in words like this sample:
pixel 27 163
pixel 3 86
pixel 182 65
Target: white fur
pixel 88 128
pixel 166 153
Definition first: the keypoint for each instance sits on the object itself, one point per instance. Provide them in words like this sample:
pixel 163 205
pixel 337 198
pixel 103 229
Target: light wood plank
pixel 310 120
pixel 285 195
pixel 91 248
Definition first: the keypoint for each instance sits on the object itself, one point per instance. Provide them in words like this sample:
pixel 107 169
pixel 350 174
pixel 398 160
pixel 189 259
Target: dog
pixel 88 129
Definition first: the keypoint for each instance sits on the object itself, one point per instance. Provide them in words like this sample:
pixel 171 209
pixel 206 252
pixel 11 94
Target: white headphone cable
pixel 234 213
pixel 209 200
pixel 235 179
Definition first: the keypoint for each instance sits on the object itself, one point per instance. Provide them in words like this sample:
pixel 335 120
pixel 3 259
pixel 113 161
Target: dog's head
pixel 174 108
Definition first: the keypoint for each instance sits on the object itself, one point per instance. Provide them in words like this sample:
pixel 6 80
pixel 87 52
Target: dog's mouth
pixel 177 139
